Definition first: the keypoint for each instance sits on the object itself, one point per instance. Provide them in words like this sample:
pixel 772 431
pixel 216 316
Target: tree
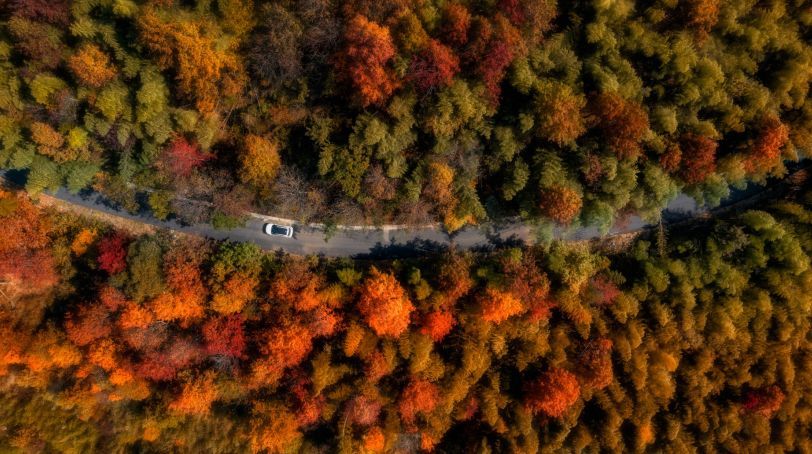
pixel 91 66
pixel 196 397
pixel 622 122
pixel 437 324
pixel 435 66
pixel 420 397
pixel 365 58
pixel 702 16
pixel 274 429
pixel 456 21
pixel 145 277
pixel 297 286
pixel 497 305
pixel 384 304
pixel 237 291
pixel 765 153
pixel 113 253
pixel 275 52
pixel 210 74
pixel 553 393
pixel 89 324
pixel 698 158
pixel 225 336
pixel 560 204
pixel 764 401
pixel 595 364
pixel 260 161
pixel 560 113
pixel 51 11
pixel 181 157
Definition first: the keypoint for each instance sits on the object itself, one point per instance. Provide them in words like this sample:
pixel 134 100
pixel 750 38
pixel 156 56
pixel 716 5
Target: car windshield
pixel 277 230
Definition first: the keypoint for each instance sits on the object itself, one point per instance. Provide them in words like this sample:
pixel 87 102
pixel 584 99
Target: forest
pixel 691 340
pixel 407 111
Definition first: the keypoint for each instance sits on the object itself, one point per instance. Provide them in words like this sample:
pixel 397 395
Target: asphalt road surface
pixel 388 243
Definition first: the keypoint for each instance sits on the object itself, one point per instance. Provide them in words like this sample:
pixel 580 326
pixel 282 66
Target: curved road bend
pixel 375 242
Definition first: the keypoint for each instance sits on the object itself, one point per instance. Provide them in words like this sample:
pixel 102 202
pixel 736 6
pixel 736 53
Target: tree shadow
pixel 496 242
pixel 413 248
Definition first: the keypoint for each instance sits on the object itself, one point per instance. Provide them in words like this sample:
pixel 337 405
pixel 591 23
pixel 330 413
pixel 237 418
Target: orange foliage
pixel 553 393
pixel 274 429
pixel 377 367
pixel 82 241
pixel 48 140
pixel 622 122
pixel 384 304
pixel 112 298
pixel 374 440
pixel 185 308
pixel 91 66
pixel 196 397
pixel 498 306
pixel 103 354
pixel 238 290
pixel 364 60
pixel 297 285
pixel 205 71
pixel 766 151
pixel 23 227
pixel 135 316
pixel 437 324
pixel 455 277
pixel 284 347
pixel 560 203
pixel 702 17
pixel 64 355
pixel 419 397
pixel 260 161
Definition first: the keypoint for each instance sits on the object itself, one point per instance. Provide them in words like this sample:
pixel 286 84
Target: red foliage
pixel 28 272
pixel 698 158
pixel 91 323
pixel 364 60
pixel 434 67
pixel 553 393
pixel 164 365
pixel 764 401
pixel 363 411
pixel 225 336
pixel 181 157
pixel 112 298
pixel 560 203
pixel 499 46
pixel 766 151
pixel 384 304
pixel 419 397
pixel 595 363
pixel 603 291
pixel 437 324
pixel 622 122
pixel 53 11
pixel 113 253
pixel 456 22
pixel 670 160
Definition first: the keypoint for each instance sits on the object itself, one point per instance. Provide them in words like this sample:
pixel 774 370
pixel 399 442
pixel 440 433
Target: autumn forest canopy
pixel 409 111
pixel 677 338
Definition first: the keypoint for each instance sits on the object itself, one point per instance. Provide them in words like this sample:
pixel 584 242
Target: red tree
pixel 766 151
pixel 53 11
pixel 181 157
pixel 434 67
pixel 553 393
pixel 419 397
pixel 437 324
pixel 364 60
pixel 225 336
pixel 113 253
pixel 764 401
pixel 622 122
pixel 698 158
pixel 90 323
pixel 456 21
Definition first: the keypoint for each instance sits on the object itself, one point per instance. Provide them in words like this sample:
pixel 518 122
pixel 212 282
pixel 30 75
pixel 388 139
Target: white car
pixel 278 230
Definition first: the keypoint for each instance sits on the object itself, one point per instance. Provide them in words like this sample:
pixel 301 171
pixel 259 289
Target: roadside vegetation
pixel 155 343
pixel 403 111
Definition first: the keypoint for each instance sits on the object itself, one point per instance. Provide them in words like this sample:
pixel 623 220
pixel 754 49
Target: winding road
pixel 387 241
